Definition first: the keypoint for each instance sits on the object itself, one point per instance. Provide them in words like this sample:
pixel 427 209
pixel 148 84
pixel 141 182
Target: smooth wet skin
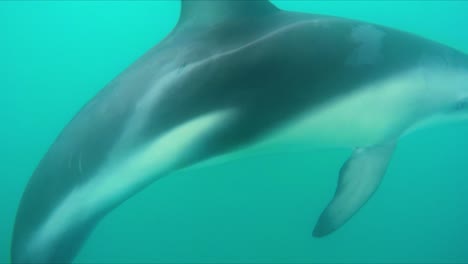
pixel 242 75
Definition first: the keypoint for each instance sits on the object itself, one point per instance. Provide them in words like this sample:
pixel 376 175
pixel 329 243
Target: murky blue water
pixel 54 56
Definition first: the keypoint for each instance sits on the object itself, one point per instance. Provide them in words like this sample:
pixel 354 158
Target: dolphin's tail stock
pixel 54 232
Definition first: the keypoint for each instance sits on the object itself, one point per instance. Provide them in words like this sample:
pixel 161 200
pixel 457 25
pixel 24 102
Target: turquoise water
pixel 54 56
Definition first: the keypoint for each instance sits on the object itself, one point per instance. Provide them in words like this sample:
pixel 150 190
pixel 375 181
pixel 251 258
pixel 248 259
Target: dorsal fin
pixel 209 12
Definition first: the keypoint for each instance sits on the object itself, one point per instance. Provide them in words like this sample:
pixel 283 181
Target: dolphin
pixel 236 77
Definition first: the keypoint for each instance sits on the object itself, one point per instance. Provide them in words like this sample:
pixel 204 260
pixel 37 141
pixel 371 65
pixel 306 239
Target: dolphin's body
pixel 233 77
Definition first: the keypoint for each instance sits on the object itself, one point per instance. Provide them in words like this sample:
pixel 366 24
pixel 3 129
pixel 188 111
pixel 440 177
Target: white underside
pixel 379 112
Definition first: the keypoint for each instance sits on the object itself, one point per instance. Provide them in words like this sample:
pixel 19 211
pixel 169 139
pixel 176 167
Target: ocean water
pixel 54 56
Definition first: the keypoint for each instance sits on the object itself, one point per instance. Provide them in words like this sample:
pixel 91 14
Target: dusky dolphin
pixel 232 77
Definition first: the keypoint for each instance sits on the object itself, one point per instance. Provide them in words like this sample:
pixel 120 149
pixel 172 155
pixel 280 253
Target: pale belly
pixel 350 122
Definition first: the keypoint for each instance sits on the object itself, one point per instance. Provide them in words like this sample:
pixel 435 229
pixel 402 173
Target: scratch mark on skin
pixel 80 167
pixel 70 161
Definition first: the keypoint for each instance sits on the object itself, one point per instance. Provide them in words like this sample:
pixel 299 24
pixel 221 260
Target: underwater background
pixel 55 56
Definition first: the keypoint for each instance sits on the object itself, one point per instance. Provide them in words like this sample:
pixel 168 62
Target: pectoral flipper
pixel 359 178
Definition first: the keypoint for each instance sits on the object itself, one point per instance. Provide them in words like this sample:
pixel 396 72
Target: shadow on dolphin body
pixel 236 77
